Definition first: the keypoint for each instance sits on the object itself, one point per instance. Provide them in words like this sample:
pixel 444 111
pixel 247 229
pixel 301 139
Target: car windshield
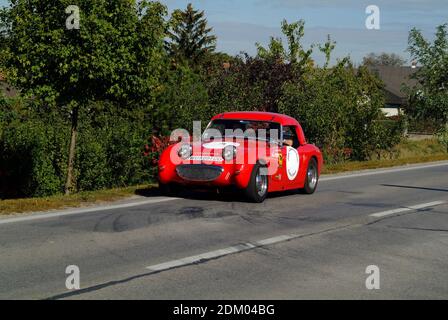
pixel 248 129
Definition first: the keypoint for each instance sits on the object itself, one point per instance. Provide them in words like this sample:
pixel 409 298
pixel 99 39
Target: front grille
pixel 199 172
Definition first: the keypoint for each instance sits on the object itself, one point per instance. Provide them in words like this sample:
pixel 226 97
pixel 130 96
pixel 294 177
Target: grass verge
pixel 72 201
pixel 408 152
pixel 376 164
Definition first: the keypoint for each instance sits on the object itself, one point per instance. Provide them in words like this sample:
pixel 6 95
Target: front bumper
pixel 207 175
pixel 199 172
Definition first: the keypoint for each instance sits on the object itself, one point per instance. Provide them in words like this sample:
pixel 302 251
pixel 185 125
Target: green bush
pixel 91 167
pixel 110 151
pixel 182 100
pixel 386 135
pixel 442 136
pixel 33 149
pixel 111 156
pixel 31 159
pixel 339 109
pixel 124 145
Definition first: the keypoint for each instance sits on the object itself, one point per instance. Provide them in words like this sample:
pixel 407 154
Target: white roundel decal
pixel 292 162
pixel 219 145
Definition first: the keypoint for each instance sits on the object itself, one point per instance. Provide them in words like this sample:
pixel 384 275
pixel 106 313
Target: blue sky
pixel 239 24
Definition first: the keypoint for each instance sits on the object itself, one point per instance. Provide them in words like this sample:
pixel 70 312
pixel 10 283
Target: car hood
pixel 215 148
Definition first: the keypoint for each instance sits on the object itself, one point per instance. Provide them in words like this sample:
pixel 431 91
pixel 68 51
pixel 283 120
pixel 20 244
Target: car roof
pixel 258 115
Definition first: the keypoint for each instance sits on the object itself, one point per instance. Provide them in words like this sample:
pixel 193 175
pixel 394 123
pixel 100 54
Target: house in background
pixel 394 78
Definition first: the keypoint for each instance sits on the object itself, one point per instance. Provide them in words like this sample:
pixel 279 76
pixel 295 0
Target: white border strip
pixel 411 208
pixel 383 171
pixel 46 215
pixel 220 253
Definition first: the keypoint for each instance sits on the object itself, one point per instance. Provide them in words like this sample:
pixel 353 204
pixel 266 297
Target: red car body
pixel 287 166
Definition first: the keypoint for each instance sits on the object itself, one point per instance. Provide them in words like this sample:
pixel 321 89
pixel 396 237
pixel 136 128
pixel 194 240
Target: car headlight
pixel 229 153
pixel 185 151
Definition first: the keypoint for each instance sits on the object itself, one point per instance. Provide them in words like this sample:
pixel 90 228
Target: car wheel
pixel 312 177
pixel 257 190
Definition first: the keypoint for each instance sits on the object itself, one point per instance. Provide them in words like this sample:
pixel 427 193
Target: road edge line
pixel 406 209
pixel 61 213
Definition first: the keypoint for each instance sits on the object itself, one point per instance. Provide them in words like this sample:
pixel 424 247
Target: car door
pixel 291 156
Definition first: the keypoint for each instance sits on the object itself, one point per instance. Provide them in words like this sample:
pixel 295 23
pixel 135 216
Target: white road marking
pixel 384 171
pixel 410 208
pixel 220 253
pixel 265 242
pixel 205 256
pixel 278 239
pixel 46 215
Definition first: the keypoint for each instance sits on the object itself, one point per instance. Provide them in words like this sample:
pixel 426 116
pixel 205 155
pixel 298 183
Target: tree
pixel 189 35
pixel 183 101
pixel 294 54
pixel 327 48
pixel 251 84
pixel 339 109
pixel 383 59
pixel 429 100
pixel 114 55
pixel 255 83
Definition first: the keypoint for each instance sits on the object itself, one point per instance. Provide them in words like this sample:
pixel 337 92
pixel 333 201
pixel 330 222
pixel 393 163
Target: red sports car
pixel 257 152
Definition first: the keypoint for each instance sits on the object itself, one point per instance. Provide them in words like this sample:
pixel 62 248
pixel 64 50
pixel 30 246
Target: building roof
pixel 394 78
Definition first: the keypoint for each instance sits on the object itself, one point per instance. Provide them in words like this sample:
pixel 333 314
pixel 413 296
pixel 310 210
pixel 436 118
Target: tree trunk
pixel 71 153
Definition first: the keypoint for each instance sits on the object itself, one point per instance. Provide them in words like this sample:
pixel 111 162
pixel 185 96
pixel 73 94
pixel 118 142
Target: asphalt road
pixel 205 246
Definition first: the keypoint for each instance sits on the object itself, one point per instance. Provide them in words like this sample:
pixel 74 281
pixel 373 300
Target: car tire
pixel 257 189
pixel 311 177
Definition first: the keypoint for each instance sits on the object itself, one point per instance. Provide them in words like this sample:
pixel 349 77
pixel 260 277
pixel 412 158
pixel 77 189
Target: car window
pixel 290 137
pixel 246 128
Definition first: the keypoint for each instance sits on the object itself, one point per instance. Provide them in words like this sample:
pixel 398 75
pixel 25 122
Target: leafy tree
pixel 429 100
pixel 215 62
pixel 189 35
pixel 294 54
pixel 274 52
pixel 115 55
pixel 383 59
pixel 327 48
pixel 338 108
pixel 256 83
pixel 183 101
pixel 249 84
